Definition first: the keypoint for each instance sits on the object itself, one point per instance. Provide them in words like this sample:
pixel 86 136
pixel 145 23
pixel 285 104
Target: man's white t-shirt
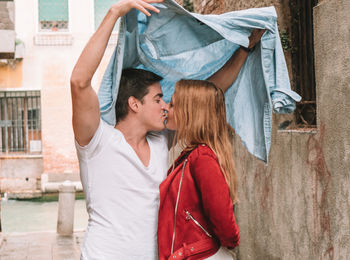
pixel 122 195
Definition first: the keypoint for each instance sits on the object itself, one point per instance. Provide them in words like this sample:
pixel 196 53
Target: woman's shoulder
pixel 202 150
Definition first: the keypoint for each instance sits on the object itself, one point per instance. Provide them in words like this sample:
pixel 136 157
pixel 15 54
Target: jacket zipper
pixel 189 216
pixel 177 202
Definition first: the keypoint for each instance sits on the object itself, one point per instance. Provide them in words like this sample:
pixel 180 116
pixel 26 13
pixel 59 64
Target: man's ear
pixel 134 104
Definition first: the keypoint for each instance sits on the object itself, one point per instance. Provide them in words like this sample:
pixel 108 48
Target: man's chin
pixel 158 128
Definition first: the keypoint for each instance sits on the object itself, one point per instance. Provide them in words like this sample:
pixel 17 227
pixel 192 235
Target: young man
pixel 122 166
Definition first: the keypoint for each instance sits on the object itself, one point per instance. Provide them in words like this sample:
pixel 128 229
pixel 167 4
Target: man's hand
pixel 124 6
pixel 255 37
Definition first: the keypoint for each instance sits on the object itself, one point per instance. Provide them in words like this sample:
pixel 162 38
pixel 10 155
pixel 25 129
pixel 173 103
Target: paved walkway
pixel 40 246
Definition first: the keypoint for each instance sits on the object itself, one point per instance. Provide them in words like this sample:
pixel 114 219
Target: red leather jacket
pixel 196 211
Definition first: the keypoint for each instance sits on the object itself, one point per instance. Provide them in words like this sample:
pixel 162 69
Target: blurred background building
pixel 40 43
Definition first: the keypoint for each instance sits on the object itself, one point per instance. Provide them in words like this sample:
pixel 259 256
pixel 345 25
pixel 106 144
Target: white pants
pixel 221 254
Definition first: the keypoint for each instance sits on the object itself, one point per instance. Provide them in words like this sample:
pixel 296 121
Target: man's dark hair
pixel 133 83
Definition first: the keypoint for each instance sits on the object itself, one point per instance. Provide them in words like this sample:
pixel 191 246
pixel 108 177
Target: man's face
pixel 152 110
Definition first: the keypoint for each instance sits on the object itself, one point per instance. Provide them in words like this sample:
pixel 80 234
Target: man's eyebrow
pixel 160 95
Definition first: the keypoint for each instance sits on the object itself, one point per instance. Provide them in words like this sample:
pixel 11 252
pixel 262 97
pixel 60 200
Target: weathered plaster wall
pixel 7 15
pixel 7 33
pixel 298 207
pixel 20 173
pixel 332 47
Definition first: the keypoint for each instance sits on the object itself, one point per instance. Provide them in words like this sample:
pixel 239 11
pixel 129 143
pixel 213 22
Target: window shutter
pixel 53 10
pixel 101 8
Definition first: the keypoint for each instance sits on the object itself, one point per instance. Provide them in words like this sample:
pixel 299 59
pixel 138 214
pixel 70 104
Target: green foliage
pixel 285 40
pixel 188 5
pixel 48 197
pixel 19 41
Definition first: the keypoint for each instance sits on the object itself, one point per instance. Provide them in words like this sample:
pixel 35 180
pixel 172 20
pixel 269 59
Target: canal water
pixel 30 216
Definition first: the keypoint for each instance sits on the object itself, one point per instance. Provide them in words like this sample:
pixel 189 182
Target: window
pixel 53 15
pixel 20 122
pixel 303 61
pixel 101 7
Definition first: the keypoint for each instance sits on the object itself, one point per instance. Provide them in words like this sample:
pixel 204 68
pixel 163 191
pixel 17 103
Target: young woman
pixel 196 219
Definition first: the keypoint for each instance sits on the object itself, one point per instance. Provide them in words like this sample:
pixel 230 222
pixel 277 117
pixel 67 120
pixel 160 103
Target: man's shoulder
pixel 110 130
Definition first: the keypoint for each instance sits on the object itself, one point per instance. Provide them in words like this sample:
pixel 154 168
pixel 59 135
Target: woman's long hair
pixel 200 116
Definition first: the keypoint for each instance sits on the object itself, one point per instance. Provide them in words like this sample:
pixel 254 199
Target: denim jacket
pixel 176 44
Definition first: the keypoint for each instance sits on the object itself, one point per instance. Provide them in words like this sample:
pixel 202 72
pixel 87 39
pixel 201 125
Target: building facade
pixel 35 102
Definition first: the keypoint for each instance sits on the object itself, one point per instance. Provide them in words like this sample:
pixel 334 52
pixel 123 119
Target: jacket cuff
pixel 284 101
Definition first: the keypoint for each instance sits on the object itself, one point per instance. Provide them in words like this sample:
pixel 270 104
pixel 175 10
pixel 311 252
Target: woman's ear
pixel 134 104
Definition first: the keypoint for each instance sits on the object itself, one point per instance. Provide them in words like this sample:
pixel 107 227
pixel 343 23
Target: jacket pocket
pixel 268 43
pixel 190 218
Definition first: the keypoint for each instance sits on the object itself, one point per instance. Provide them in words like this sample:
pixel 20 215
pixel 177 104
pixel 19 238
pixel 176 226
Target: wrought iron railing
pixel 20 122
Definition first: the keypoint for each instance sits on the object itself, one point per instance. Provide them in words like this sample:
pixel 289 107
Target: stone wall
pixel 298 207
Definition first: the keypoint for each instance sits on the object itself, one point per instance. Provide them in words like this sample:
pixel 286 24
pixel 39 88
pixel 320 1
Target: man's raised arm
pixel 225 76
pixel 86 112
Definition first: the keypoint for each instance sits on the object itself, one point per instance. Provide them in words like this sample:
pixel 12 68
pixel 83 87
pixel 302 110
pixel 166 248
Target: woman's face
pixel 170 124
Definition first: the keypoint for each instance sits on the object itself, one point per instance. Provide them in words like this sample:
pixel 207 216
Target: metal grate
pixel 303 60
pixel 54 26
pixel 53 15
pixel 53 39
pixel 20 121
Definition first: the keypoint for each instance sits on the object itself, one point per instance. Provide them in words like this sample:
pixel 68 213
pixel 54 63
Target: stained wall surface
pixel 298 207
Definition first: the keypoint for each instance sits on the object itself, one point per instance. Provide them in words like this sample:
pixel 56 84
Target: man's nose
pixel 164 105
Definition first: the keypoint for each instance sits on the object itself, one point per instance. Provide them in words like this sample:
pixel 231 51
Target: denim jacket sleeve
pixel 176 44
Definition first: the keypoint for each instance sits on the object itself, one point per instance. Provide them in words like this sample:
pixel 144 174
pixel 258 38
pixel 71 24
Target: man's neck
pixel 134 133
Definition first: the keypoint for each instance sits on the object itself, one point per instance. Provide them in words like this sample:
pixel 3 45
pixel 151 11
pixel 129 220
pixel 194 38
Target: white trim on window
pixel 49 38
